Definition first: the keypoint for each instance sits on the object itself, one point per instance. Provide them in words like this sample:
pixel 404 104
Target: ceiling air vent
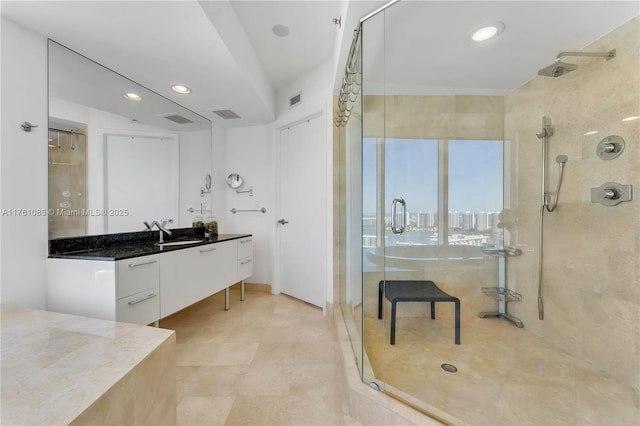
pixel 177 118
pixel 295 100
pixel 227 114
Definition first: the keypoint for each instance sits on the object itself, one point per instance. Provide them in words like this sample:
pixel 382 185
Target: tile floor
pixel 270 360
pixel 506 375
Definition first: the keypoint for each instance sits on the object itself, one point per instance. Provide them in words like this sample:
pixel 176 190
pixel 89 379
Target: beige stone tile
pixel 314 379
pixel 260 411
pixel 199 410
pixel 195 354
pixel 209 380
pixel 316 353
pixel 323 330
pixel 315 410
pixel 115 407
pixel 274 353
pixel 270 381
pixel 607 403
pixel 559 404
pixel 285 334
pixel 235 354
pixel 158 407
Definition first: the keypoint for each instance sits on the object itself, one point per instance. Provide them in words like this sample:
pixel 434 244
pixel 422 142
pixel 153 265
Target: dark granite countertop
pixel 129 245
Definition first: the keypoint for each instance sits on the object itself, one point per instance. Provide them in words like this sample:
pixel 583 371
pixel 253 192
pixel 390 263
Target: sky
pixel 411 172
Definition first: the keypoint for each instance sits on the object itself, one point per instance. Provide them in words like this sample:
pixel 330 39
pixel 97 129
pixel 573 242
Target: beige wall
pixel 591 252
pixel 434 117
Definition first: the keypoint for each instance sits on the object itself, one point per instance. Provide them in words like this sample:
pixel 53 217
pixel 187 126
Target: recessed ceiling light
pixel 280 30
pixel 634 117
pixel 591 132
pixel 180 88
pixel 487 31
pixel 132 96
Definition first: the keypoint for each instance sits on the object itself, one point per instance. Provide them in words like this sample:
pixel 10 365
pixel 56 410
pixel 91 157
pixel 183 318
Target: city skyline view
pixel 475 175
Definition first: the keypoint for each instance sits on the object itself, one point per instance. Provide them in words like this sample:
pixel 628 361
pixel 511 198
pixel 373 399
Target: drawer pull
pixel 245 262
pixel 133 265
pixel 206 250
pixel 135 302
pixel 245 241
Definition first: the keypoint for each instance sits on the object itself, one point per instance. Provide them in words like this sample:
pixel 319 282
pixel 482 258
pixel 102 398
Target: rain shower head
pixel 561 68
pixel 557 69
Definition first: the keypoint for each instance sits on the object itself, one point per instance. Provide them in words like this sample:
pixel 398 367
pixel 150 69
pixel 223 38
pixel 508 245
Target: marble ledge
pixel 64 369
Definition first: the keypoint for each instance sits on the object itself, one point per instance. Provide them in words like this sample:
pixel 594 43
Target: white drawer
pixel 137 274
pixel 141 308
pixel 245 268
pixel 245 247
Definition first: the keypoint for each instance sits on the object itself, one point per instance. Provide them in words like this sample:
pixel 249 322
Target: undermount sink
pixel 178 243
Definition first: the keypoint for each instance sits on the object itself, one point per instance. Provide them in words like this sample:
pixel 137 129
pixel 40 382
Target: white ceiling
pixel 199 44
pixel 309 44
pixel 428 49
pixel 225 50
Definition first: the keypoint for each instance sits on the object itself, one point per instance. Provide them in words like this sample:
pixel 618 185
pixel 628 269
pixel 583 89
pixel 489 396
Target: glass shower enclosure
pixel 447 160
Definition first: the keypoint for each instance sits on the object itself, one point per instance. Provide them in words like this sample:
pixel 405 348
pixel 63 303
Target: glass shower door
pixel 432 197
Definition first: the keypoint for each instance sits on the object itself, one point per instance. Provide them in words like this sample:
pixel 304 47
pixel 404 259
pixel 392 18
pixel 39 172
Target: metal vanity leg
pixel 226 299
pixel 242 291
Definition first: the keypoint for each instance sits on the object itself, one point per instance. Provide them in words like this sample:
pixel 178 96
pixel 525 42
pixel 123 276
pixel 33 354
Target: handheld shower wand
pixel 561 160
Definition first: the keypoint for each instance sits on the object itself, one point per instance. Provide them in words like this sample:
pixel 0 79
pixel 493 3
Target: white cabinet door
pixel 138 289
pixel 138 274
pixel 140 308
pixel 82 287
pixel 245 258
pixel 245 247
pixel 190 275
pixel 245 268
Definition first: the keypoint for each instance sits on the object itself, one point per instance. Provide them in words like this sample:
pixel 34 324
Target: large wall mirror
pixel 117 161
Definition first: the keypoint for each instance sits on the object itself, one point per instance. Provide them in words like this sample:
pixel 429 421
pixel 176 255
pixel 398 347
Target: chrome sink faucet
pixel 161 228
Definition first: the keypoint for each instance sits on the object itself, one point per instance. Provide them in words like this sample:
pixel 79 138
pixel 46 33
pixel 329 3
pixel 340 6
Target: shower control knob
pixel 283 222
pixel 611 194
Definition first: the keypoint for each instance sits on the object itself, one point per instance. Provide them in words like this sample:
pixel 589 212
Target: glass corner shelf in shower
pixel 501 294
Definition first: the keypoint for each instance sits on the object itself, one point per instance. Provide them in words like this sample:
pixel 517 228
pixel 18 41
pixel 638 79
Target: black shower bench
pixel 415 291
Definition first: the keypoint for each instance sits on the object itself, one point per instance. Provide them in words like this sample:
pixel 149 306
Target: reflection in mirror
pixel 115 162
pixel 67 177
pixel 234 181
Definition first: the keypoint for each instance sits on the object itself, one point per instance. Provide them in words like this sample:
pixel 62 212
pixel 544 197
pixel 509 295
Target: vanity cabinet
pixel 138 283
pixel 146 288
pixel 191 274
pixel 245 258
pixel 126 290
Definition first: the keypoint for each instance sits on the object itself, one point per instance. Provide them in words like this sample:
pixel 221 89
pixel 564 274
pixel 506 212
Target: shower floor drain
pixel 449 368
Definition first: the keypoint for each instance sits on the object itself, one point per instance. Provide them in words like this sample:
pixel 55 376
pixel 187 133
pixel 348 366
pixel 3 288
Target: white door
pixel 302 221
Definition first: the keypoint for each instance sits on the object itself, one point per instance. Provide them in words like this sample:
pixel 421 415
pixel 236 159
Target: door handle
pixel 283 222
pixel 394 213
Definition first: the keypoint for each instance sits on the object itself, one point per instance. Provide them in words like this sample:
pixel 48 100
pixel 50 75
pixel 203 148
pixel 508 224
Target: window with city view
pixel 473 175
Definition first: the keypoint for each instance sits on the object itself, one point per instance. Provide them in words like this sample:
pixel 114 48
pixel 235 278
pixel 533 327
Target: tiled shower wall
pixel 591 252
